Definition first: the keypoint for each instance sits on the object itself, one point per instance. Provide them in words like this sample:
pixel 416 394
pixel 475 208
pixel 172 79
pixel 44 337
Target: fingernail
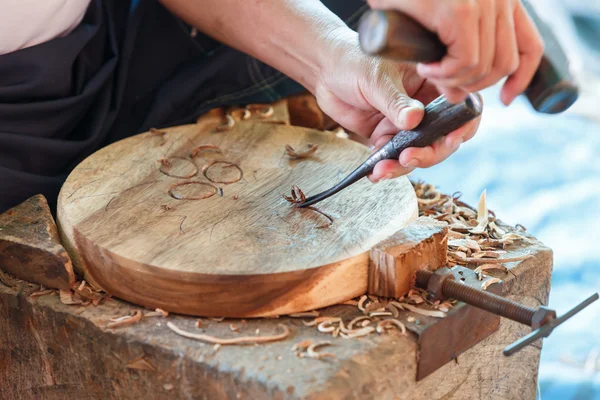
pixel 412 163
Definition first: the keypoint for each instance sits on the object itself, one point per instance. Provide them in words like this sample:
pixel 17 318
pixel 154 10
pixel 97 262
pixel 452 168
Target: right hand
pixel 487 40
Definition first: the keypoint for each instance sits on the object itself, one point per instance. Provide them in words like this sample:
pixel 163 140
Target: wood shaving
pixel 297 197
pixel 312 353
pixel 127 320
pixel 354 321
pixel 205 147
pixel 307 314
pixel 301 345
pixel 156 313
pixel 162 134
pixel 207 167
pixel 39 293
pixel 390 322
pixel 217 319
pixel 199 323
pixel 427 313
pixel 435 199
pixel 68 297
pixel 380 314
pixel 326 327
pixel 318 320
pixel 289 150
pixel 264 110
pixel 243 340
pixel 410 318
pixel 227 125
pixel 240 113
pixel 361 303
pixel 393 310
pixel 358 332
pixel 489 282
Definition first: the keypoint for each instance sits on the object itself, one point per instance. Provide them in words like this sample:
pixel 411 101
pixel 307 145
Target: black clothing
pixel 129 66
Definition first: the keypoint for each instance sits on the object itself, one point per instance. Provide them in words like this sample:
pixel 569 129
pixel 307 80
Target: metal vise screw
pixel 441 284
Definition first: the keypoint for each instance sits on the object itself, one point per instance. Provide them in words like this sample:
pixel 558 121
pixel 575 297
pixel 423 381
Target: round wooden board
pixel 243 254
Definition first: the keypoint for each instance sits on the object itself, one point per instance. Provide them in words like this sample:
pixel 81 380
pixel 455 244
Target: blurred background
pixel 544 172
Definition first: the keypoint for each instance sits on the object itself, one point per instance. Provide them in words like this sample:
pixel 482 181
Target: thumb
pixel 405 113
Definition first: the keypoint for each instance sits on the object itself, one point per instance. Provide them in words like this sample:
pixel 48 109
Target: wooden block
pixel 30 247
pixel 420 245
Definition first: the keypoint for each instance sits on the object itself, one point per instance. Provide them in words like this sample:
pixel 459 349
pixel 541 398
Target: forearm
pixel 292 36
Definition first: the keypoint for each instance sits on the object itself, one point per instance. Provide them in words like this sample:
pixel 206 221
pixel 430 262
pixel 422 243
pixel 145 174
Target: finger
pixel 487 46
pixel 453 95
pixel 426 93
pixel 506 59
pixel 425 157
pixel 386 93
pixel 388 169
pixel 531 50
pixel 351 118
pixel 463 44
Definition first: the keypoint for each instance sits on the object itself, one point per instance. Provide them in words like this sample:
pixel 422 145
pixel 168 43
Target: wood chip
pixel 243 340
pixel 421 311
pixel 318 320
pixel 264 110
pixel 227 125
pixel 127 320
pixel 390 322
pixel 301 345
pixel 312 353
pixel 66 297
pixel 289 150
pixel 358 332
pixel 158 312
pixel 326 327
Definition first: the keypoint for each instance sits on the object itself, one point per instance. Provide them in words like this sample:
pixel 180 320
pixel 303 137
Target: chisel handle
pixel 441 118
pixel 393 35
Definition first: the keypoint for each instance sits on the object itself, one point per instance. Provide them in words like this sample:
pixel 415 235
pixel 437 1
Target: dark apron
pixel 129 66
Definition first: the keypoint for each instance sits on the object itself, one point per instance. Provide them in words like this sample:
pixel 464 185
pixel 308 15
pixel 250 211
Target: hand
pixel 487 40
pixel 377 98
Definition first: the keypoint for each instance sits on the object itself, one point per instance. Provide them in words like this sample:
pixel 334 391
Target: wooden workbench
pixel 49 350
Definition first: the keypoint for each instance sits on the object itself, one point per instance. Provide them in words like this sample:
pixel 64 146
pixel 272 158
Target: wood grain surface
pixel 244 253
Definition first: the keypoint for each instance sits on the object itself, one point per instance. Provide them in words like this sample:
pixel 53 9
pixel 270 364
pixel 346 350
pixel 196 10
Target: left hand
pixel 376 98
